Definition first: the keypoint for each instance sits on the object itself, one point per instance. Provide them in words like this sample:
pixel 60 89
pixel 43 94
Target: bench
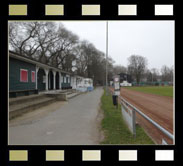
pixel 25 92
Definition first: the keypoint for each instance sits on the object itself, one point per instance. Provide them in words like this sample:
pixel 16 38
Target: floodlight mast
pixel 106 57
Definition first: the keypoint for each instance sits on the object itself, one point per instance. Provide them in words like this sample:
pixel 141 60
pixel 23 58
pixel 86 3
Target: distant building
pixel 125 80
pixel 125 77
pixel 85 84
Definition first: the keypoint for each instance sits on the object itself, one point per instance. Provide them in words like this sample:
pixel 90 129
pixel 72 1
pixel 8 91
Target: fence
pixel 157 83
pixel 129 114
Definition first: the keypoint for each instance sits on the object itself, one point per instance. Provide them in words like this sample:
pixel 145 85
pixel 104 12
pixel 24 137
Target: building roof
pixel 33 61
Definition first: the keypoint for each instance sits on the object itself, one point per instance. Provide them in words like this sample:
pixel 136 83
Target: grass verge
pixel 157 90
pixel 114 127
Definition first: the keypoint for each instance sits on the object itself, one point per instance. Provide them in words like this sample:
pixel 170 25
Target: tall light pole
pixel 107 58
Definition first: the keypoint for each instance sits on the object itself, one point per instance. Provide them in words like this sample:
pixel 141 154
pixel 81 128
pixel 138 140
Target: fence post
pixel 134 122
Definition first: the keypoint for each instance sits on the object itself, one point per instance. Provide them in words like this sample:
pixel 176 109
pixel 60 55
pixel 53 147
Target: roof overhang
pixel 39 64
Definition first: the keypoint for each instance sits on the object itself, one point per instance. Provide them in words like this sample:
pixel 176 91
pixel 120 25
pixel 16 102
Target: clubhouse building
pixel 27 76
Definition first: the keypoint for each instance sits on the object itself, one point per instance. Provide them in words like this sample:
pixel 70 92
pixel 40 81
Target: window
pixel 23 75
pixel 33 76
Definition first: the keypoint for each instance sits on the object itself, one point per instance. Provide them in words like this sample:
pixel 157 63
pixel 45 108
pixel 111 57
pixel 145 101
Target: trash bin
pixel 114 99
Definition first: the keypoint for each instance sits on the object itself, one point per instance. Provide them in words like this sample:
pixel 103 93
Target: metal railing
pixel 163 130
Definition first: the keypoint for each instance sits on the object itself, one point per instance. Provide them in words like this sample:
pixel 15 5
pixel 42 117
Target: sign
pixel 116 83
pixel 129 117
pixel 116 86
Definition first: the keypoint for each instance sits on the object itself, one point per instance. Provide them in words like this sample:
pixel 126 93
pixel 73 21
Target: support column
pixel 71 79
pixel 49 81
pixel 37 69
pixel 54 80
pixel 46 72
pixel 60 80
pixel 75 82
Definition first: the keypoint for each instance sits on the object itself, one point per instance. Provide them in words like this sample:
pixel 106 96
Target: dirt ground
pixel 158 108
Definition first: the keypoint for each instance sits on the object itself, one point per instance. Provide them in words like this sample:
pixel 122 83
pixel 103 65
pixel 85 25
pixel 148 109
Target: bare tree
pixel 117 69
pixel 44 41
pixel 90 62
pixel 154 74
pixel 137 66
pixel 172 74
pixel 81 57
pixel 167 73
pixel 61 51
pixel 22 37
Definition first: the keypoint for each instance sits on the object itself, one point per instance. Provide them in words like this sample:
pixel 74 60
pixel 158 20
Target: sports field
pixel 157 90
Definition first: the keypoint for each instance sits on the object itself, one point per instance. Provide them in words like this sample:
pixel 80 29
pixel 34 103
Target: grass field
pixel 157 90
pixel 115 129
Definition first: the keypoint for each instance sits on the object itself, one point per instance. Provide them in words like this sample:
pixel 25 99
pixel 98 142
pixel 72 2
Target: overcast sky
pixel 151 39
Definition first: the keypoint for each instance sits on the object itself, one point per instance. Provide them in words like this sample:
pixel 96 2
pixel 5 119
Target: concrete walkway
pixel 75 122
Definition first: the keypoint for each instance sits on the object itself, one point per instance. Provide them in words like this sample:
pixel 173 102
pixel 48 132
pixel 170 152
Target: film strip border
pixel 91 155
pixel 64 155
pixel 90 10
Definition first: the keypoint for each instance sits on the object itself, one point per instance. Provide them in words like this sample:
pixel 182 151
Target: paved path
pixel 71 123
